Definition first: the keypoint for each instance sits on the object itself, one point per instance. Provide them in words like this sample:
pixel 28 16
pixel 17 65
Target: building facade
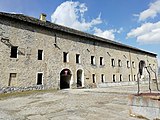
pixel 37 52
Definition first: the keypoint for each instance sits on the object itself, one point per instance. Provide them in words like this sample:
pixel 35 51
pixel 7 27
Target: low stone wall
pixel 146 105
pixel 21 89
pixel 104 85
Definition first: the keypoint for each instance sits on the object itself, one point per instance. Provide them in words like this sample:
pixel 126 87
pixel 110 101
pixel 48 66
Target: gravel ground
pixel 70 104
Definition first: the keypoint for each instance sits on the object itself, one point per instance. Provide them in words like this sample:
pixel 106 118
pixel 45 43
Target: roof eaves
pixel 68 30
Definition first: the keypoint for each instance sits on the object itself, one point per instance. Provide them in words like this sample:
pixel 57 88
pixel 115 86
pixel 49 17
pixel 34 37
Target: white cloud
pixel 147 33
pixel 108 34
pixel 71 14
pixel 151 12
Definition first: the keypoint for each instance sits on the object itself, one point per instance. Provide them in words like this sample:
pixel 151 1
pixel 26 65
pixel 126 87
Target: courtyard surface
pixel 70 104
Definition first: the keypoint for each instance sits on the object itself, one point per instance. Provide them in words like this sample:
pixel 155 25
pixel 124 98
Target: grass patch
pixel 24 93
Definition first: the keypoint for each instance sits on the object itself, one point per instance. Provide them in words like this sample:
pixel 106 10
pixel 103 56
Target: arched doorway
pixel 65 77
pixel 79 78
pixel 142 66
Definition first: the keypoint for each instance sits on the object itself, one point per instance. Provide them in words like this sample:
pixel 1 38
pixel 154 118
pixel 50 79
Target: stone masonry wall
pixel 30 38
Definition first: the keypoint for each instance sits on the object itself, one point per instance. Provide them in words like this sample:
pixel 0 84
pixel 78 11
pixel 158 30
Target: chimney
pixel 43 17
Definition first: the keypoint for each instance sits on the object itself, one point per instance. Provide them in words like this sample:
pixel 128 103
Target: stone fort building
pixel 40 53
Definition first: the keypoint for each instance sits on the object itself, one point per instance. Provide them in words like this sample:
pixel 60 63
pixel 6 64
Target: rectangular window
pixel 101 61
pixel 65 57
pixel 12 79
pixel 120 78
pixel 113 62
pixel 39 78
pixel 114 78
pixel 77 58
pixel 133 64
pixel 40 54
pixel 94 78
pixel 102 78
pixel 134 77
pixel 92 60
pixel 14 52
pixel 128 64
pixel 129 77
pixel 119 63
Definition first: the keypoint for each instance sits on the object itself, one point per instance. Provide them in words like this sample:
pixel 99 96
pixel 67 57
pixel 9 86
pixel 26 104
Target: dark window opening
pixel 39 78
pixel 102 78
pixel 40 54
pixel 92 60
pixel 14 52
pixel 77 58
pixel 94 78
pixel 128 65
pixel 79 78
pixel 120 77
pixel 141 66
pixel 129 77
pixel 133 64
pixel 113 62
pixel 65 57
pixel 134 77
pixel 114 78
pixel 119 63
pixel 101 61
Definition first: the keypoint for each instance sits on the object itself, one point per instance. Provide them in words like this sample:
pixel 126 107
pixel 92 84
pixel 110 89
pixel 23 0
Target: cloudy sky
pixel 132 22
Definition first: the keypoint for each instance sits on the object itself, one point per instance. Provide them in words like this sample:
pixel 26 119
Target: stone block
pixel 145 105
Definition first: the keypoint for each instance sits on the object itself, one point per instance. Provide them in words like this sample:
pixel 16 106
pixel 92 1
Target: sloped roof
pixel 54 26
